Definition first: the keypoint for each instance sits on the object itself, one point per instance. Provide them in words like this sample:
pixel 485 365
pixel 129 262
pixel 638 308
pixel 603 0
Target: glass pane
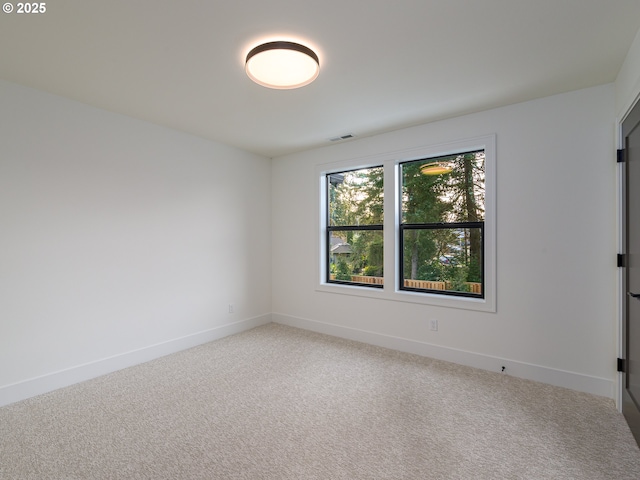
pixel 356 257
pixel 356 197
pixel 447 189
pixel 448 259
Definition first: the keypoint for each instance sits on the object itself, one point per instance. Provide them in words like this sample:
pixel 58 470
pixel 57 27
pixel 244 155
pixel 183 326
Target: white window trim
pixel 392 198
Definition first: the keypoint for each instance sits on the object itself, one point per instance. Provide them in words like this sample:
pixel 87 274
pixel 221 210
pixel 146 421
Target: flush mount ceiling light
pixel 437 168
pixel 282 65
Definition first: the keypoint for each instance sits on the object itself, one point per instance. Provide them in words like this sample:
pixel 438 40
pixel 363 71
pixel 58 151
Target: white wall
pixel 628 80
pixel 556 246
pixel 120 241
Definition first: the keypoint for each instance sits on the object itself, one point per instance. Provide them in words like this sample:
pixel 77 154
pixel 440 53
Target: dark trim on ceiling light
pixel 280 45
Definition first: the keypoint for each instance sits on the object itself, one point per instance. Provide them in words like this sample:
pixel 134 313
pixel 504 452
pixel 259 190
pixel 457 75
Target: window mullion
pixel 390 225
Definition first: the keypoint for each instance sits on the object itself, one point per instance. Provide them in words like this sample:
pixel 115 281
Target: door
pixel 631 287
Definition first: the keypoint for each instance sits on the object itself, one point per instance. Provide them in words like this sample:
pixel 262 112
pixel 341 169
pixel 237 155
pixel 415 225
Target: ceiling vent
pixel 342 137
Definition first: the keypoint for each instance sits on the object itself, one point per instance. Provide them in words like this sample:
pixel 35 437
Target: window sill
pixel 404 296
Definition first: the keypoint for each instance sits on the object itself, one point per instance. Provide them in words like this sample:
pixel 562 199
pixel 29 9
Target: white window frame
pixel 392 198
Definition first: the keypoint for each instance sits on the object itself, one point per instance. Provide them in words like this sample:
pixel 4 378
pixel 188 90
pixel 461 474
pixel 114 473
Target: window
pixel 441 231
pixel 354 244
pixel 417 225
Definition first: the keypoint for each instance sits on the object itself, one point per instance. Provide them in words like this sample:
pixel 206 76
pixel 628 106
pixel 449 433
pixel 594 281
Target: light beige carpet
pixel 281 403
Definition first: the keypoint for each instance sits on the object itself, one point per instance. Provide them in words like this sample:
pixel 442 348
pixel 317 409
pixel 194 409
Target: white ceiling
pixel 385 64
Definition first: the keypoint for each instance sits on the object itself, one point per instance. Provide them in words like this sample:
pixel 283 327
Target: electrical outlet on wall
pixel 433 325
pixel 231 308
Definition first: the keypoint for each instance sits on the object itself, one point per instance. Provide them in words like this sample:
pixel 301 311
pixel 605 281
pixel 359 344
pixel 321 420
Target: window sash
pixel 344 228
pixel 404 227
pixel 347 228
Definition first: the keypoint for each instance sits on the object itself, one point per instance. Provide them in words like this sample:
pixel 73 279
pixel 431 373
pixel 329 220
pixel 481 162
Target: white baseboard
pixel 63 378
pixel 576 381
